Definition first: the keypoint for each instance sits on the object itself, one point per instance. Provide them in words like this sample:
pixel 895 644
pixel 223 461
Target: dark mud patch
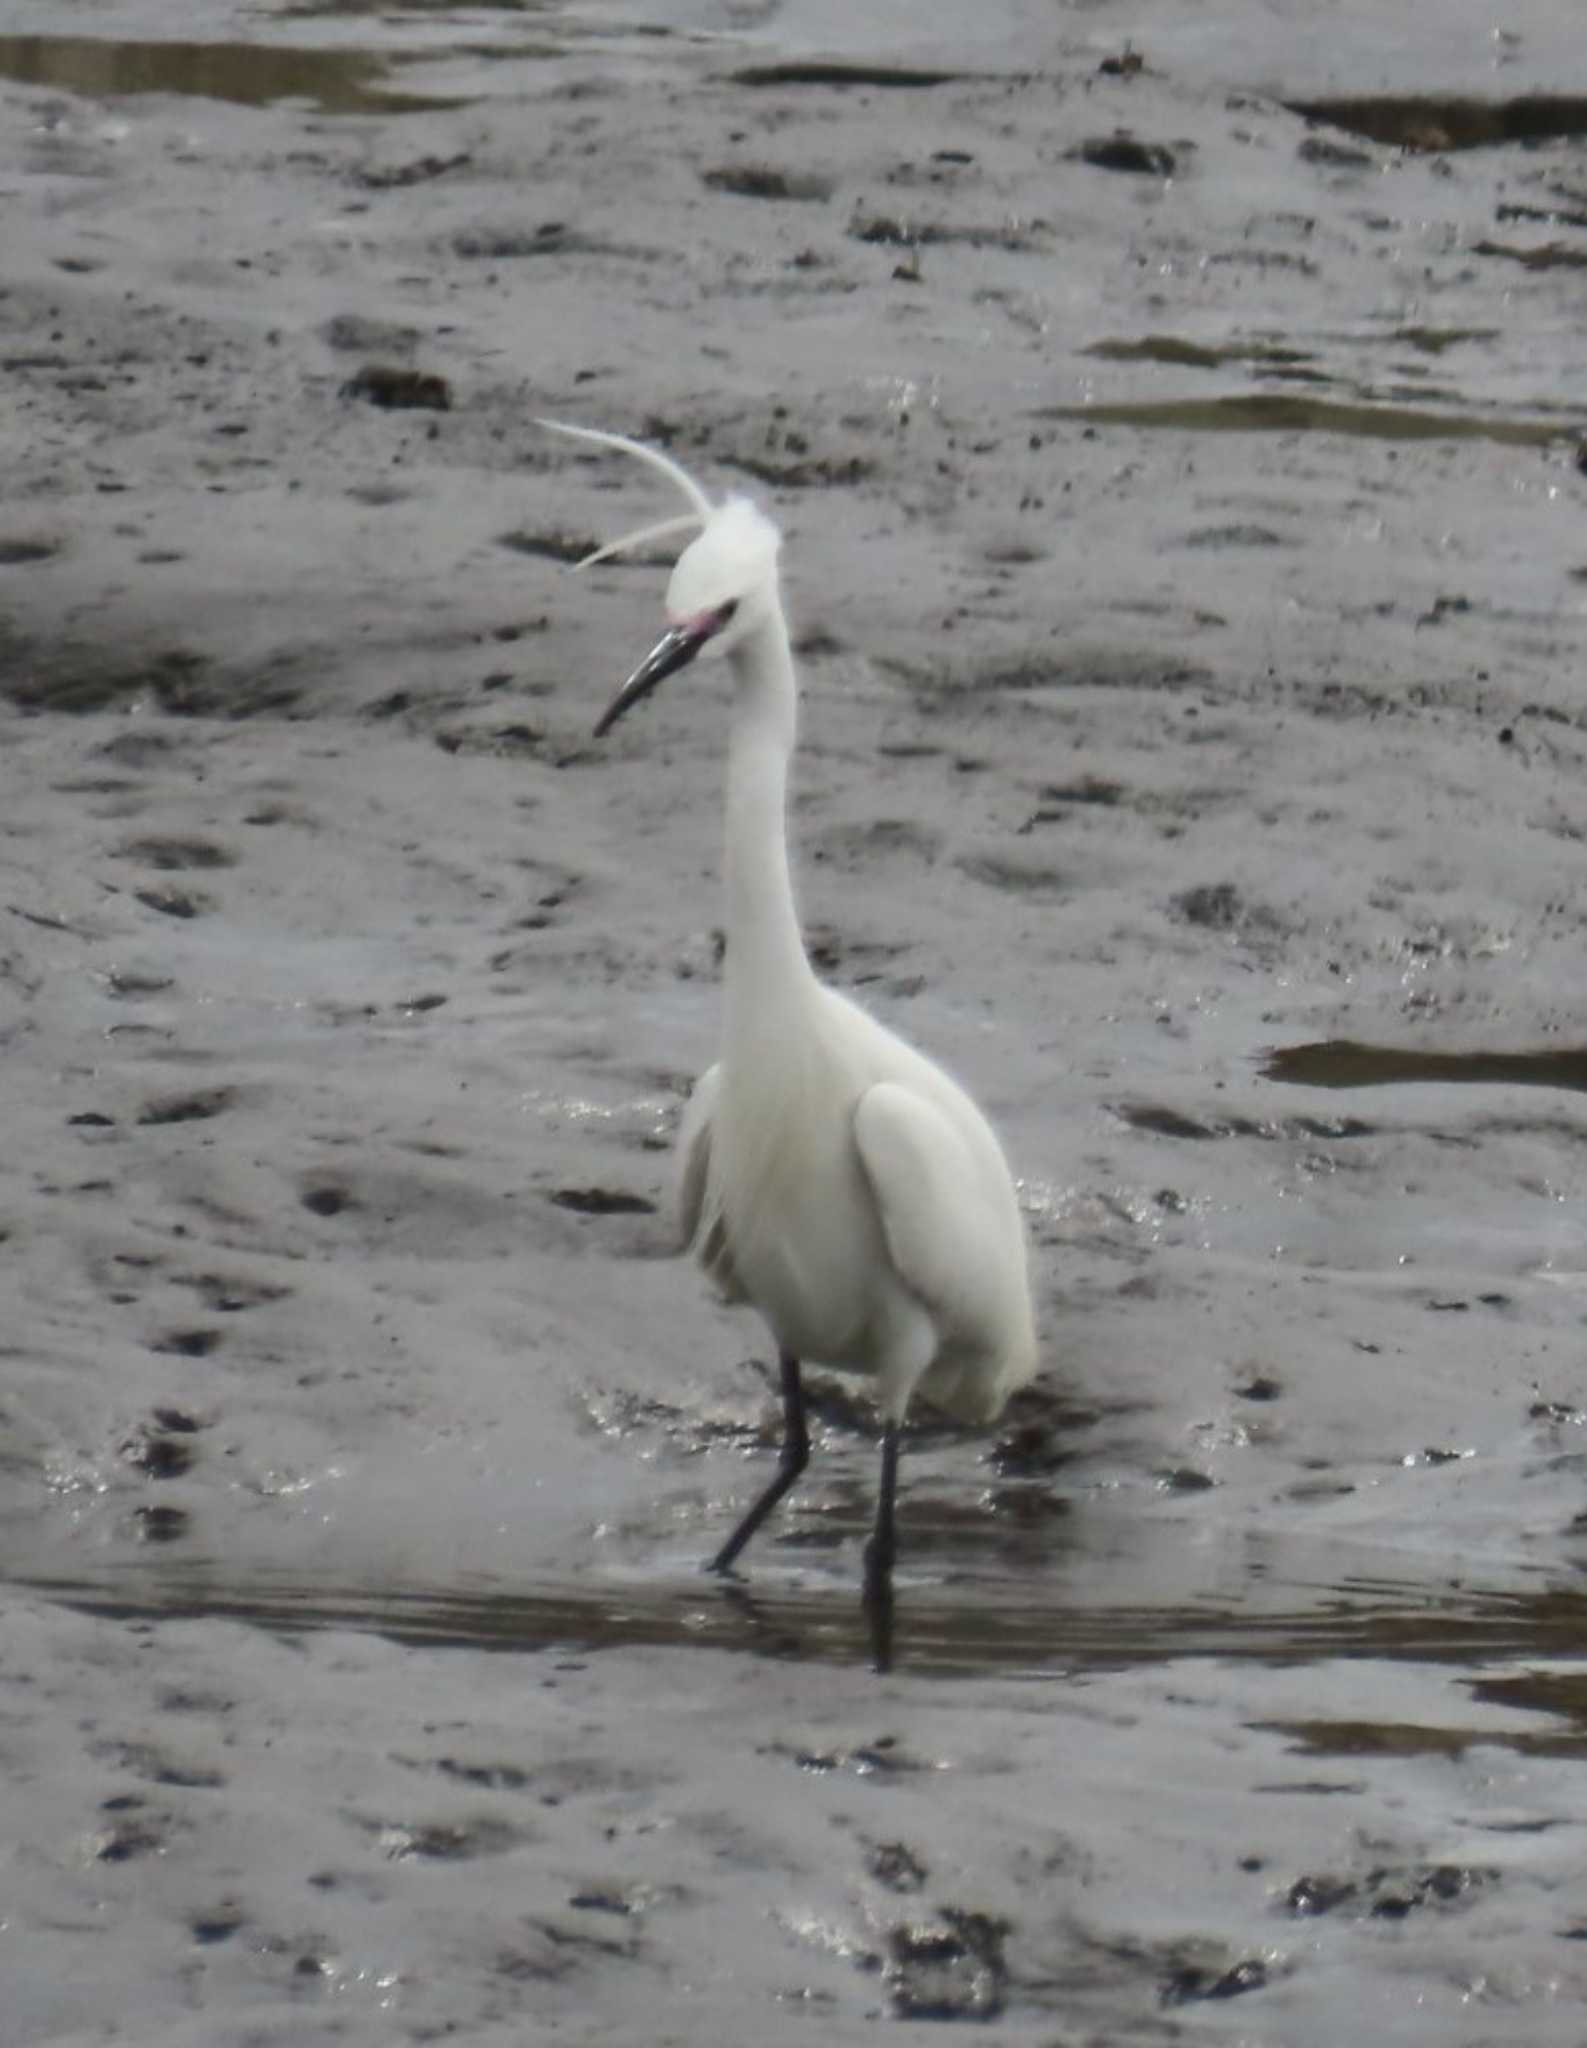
pixel 397 388
pixel 1089 668
pixel 19 552
pixel 1221 907
pixel 1348 1063
pixel 177 681
pixel 837 472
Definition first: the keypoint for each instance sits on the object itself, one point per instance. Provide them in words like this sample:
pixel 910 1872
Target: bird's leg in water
pixel 879 1554
pixel 791 1461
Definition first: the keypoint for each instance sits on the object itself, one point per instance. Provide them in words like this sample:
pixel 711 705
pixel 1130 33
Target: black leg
pixel 879 1555
pixel 791 1461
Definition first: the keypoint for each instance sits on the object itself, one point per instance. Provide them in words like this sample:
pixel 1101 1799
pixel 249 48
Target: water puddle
pixel 881 77
pixel 1438 122
pixel 1345 1063
pixel 245 74
pixel 943 1632
pixel 1275 412
pixel 1269 358
pixel 1272 358
pixel 323 10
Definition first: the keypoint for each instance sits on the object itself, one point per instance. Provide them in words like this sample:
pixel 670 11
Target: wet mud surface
pixel 1175 426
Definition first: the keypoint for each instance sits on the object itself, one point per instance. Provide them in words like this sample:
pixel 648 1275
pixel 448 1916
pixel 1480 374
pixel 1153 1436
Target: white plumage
pixel 829 1174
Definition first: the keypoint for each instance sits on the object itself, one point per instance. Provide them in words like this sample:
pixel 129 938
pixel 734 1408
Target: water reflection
pixel 246 74
pixel 944 1632
pixel 1279 412
pixel 1346 1063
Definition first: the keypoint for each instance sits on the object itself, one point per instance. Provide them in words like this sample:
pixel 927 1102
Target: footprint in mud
pixel 861 845
pixel 1015 877
pixel 948 1968
pixel 1388 1893
pixel 1191 1982
pixel 216 1923
pixel 187 1343
pixel 175 902
pixel 896 1866
pixel 175 855
pixel 130 1832
pixel 193 1106
pixel 160 1448
pixel 229 1294
pixel 159 1524
pixel 152 1764
pixel 443 1841
pixel 602 1202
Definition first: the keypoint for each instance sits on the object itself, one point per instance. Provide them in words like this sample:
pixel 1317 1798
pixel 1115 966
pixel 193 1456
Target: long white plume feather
pixel 700 503
pixel 686 522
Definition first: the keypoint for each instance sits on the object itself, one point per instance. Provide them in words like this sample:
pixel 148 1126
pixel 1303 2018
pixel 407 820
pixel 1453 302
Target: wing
pixel 694 1154
pixel 702 1232
pixel 945 1237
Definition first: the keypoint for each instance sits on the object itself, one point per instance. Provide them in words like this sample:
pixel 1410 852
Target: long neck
pixel 767 977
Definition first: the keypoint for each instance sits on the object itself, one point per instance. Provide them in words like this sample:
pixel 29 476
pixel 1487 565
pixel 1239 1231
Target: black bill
pixel 676 648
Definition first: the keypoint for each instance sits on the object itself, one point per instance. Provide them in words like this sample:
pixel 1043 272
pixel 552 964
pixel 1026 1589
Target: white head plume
pixel 691 521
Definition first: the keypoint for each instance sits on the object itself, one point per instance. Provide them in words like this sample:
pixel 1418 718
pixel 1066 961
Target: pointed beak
pixel 676 648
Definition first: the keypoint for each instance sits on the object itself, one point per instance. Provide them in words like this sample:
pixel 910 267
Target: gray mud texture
pixel 1173 411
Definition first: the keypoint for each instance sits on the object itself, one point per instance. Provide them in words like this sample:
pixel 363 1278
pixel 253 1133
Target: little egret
pixel 828 1174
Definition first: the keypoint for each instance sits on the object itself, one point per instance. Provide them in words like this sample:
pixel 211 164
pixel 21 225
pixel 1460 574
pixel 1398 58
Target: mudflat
pixel 1174 419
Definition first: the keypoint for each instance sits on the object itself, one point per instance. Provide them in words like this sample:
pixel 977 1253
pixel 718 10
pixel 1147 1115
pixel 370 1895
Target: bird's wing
pixel 701 1232
pixel 923 1180
pixel 694 1154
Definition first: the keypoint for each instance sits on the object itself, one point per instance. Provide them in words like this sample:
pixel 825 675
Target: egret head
pixel 723 585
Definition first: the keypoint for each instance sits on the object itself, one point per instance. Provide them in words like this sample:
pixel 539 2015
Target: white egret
pixel 828 1174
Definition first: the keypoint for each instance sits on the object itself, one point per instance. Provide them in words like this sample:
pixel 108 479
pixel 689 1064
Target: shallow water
pixel 942 1633
pixel 336 81
pixel 1341 1063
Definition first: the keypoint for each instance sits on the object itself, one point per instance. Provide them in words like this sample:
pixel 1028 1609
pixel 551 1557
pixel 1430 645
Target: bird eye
pixel 724 613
